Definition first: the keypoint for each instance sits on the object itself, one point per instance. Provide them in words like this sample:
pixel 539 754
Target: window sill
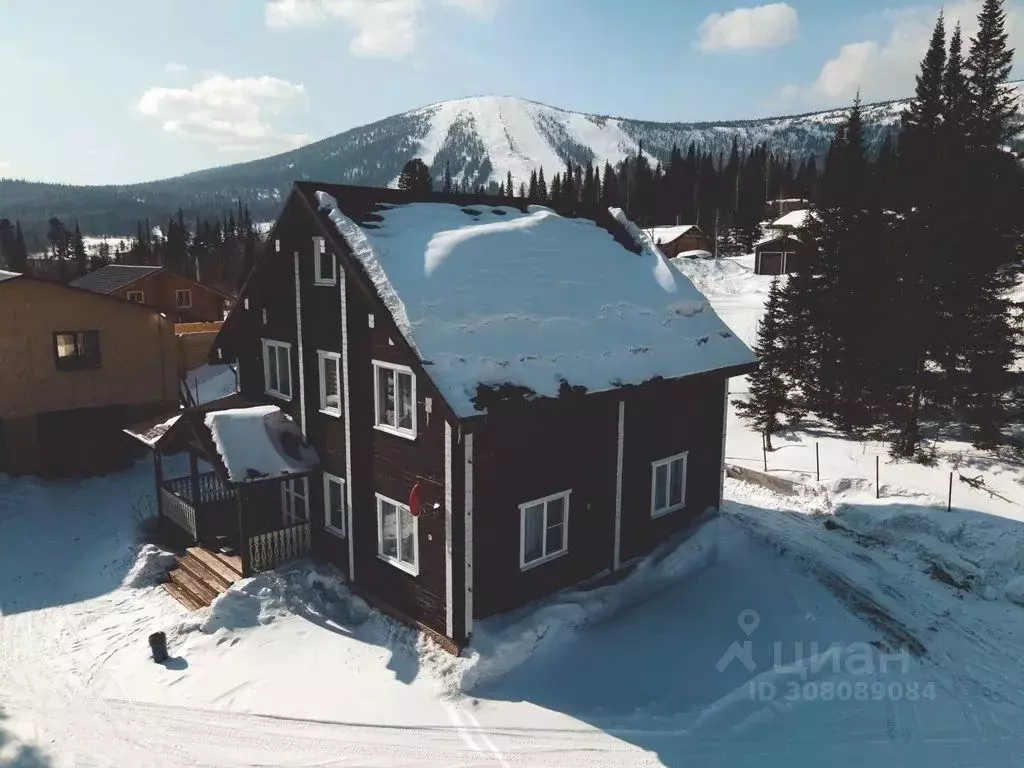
pixel 412 570
pixel 334 414
pixel 544 560
pixel 411 436
pixel 277 395
pixel 325 282
pixel 667 511
pixel 334 531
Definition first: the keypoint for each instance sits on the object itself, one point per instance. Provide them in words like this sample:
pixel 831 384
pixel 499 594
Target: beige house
pixel 76 367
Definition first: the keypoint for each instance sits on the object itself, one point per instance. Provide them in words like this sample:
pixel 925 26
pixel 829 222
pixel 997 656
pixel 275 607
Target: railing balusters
pixel 269 550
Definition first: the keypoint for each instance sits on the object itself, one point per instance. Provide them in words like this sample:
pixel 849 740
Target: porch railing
pixel 271 549
pixel 178 506
pixel 178 511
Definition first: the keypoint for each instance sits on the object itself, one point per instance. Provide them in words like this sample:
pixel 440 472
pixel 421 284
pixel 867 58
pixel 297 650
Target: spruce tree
pixel 522 190
pixel 18 261
pixel 78 253
pixel 568 189
pixel 446 187
pixel 415 177
pixel 542 187
pixel 768 388
pixel 7 244
pixel 509 189
pixel 557 199
pixel 609 185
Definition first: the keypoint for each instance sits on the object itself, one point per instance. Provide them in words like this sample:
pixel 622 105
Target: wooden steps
pixel 201 575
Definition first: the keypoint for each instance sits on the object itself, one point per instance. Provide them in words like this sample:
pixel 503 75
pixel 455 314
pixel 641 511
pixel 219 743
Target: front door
pixel 294 501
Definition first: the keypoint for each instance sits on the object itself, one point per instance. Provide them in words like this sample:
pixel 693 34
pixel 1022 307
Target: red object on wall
pixel 414 501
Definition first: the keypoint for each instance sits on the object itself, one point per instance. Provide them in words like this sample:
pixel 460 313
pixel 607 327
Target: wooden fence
pixel 179 511
pixel 269 550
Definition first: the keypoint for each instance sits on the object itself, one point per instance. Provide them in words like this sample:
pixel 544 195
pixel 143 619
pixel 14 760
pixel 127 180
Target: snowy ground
pixel 892 636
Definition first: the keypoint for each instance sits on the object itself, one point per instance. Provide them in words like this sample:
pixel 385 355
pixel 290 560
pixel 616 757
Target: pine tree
pixel 768 388
pixel 609 186
pixel 447 186
pixel 568 188
pixel 531 191
pixel 542 187
pixel 522 190
pixel 7 243
pixel 557 199
pixel 509 189
pixel 78 253
pixel 988 66
pixel 415 177
pixel 501 189
pixel 588 196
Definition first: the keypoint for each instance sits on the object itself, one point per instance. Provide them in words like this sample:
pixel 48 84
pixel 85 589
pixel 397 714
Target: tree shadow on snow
pixel 16 755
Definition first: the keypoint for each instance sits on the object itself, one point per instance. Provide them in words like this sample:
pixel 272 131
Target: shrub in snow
pixel 150 567
pixel 1015 591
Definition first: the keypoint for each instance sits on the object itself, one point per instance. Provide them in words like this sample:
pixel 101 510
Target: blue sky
pixel 116 91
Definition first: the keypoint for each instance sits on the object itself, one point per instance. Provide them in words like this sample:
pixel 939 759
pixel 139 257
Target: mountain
pixel 480 139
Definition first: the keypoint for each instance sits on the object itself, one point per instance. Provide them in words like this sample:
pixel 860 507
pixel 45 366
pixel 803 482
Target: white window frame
pixel 319 251
pixel 322 360
pixel 340 481
pixel 547 557
pixel 412 568
pixel 290 496
pixel 141 294
pixel 667 462
pixel 409 434
pixel 272 344
pixel 188 294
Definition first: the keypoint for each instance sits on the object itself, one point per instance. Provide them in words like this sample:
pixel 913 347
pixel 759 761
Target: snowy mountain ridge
pixel 480 139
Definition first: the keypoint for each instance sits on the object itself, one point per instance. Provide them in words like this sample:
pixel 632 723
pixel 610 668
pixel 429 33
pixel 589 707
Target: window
pixel 330 382
pixel 183 298
pixel 76 350
pixel 668 485
pixel 295 501
pixel 544 529
pixel 277 368
pixel 395 388
pixel 325 266
pixel 397 535
pixel 136 297
pixel 334 504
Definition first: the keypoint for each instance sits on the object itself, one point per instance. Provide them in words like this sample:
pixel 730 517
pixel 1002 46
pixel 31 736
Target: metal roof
pixel 112 277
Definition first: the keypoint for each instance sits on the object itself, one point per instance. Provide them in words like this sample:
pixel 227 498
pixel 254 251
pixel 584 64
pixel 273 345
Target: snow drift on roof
pixel 491 295
pixel 771 235
pixel 259 443
pixel 5 275
pixel 151 434
pixel 696 254
pixel 795 219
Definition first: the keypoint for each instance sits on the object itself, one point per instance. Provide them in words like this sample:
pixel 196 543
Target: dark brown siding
pixel 159 291
pixel 685 243
pixel 543 448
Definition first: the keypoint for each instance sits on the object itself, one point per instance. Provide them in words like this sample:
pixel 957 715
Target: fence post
pixel 949 501
pixel 817 462
pixel 764 452
pixel 877 488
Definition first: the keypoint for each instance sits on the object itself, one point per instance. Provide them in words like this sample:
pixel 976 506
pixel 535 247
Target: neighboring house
pixel 786 205
pixel 76 367
pixel 784 249
pixel 181 299
pixel 683 240
pixel 463 404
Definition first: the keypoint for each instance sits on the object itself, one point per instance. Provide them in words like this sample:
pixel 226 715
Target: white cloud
pixel 744 29
pixel 483 8
pixel 229 112
pixel 173 66
pixel 385 28
pixel 885 69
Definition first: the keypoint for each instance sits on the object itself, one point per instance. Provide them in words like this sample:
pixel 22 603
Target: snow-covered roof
pixel 772 235
pixel 5 275
pixel 666 235
pixel 795 219
pixel 490 295
pixel 260 443
pixel 150 434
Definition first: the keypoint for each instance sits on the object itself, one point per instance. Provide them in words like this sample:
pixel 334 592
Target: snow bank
pixel 504 642
pixel 259 443
pixel 150 567
pixel 1015 590
pixel 490 295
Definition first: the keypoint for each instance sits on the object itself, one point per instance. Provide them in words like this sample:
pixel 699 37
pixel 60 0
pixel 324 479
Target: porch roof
pixel 269 446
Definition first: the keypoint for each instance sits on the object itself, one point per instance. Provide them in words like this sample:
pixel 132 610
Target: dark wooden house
pixel 784 247
pixel 681 240
pixel 503 401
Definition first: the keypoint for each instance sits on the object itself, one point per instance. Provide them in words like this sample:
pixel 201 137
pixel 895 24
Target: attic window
pixel 326 269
